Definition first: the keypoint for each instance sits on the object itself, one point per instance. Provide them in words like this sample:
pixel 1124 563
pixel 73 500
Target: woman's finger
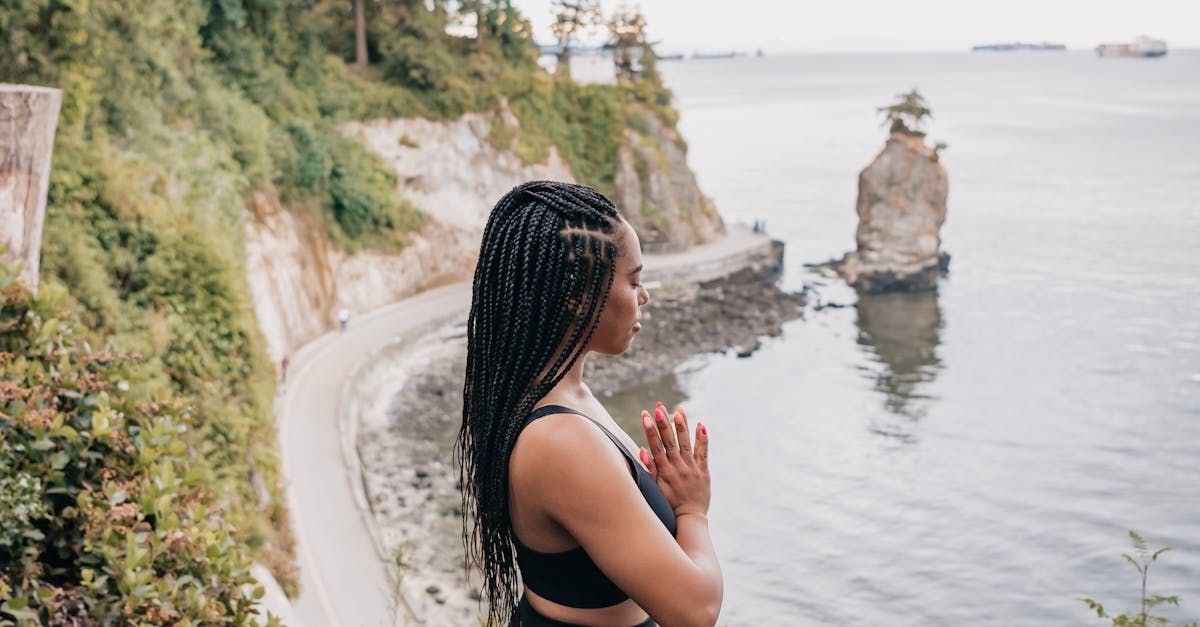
pixel 682 434
pixel 652 437
pixel 648 460
pixel 701 454
pixel 665 432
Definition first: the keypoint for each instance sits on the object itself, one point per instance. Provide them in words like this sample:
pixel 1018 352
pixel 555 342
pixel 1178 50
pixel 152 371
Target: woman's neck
pixel 571 387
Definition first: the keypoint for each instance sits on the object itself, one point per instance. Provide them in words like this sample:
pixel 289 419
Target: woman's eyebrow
pixel 637 269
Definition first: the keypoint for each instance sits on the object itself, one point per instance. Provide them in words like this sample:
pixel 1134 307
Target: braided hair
pixel 545 271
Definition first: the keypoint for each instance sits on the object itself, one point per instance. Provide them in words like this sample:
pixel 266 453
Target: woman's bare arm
pixel 587 489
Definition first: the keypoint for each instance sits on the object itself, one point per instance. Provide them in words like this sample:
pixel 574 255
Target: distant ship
pixel 1017 45
pixel 1142 46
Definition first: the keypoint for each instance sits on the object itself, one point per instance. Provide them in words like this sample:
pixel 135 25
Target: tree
pixel 572 19
pixel 627 27
pixel 478 9
pixel 360 35
pixel 499 20
pixel 907 114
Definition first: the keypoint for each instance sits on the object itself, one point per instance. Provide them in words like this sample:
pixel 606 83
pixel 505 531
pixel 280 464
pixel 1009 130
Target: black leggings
pixel 526 616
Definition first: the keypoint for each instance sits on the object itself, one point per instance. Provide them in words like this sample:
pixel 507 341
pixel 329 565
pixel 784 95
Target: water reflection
pixel 899 332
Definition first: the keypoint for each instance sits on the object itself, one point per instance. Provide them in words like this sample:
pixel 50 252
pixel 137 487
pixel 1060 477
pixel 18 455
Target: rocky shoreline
pixel 406 434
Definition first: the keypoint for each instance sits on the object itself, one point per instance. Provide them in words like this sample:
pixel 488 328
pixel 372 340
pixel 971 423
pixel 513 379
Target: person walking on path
pixel 552 488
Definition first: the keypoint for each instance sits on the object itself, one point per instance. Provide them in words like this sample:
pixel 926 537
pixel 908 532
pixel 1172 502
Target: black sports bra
pixel 571 577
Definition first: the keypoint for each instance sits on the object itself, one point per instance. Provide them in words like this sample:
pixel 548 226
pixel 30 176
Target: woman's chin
pixel 613 351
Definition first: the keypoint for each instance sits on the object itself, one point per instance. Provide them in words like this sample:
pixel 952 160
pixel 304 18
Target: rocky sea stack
pixel 901 208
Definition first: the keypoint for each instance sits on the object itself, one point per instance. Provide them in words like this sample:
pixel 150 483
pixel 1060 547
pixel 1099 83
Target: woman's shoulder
pixel 565 447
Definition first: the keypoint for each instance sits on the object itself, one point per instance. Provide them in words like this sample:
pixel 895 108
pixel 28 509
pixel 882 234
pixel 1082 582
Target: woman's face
pixel 619 322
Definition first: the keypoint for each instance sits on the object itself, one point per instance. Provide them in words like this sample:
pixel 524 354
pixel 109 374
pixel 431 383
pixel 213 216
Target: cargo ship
pixel 1142 46
pixel 1017 45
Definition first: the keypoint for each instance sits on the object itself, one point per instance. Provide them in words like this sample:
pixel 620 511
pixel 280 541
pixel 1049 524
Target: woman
pixel 550 483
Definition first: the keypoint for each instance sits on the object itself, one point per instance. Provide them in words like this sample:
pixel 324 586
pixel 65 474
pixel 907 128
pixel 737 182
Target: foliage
pixel 937 150
pixel 907 114
pixel 1143 618
pixel 572 19
pixel 627 32
pixel 583 121
pixel 112 519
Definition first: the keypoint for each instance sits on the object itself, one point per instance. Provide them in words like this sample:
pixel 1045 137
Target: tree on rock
pixel 907 114
pixel 901 207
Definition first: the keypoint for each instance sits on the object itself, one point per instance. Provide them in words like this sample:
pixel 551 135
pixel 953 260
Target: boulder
pixel 901 208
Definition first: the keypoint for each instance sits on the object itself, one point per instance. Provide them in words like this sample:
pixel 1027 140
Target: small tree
pixel 1142 563
pixel 907 114
pixel 627 27
pixel 500 21
pixel 572 19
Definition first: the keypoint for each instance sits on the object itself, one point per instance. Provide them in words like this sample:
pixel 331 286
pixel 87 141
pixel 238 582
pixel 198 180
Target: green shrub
pixel 108 514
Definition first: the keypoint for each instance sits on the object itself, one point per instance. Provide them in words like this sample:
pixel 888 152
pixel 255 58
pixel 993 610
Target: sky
pixel 782 26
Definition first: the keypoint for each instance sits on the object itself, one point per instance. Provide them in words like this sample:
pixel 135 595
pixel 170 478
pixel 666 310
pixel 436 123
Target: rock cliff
pixel 454 174
pixel 657 192
pixel 901 208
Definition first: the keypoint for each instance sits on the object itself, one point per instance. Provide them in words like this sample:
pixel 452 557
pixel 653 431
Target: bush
pixel 107 516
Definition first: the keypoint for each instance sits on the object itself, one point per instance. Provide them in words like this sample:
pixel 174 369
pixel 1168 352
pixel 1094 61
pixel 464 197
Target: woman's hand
pixel 680 468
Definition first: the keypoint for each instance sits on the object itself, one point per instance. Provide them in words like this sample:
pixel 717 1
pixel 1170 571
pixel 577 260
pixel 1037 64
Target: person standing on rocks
pixel 551 486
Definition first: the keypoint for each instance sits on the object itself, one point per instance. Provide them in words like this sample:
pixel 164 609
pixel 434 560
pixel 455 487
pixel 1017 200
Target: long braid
pixel 545 271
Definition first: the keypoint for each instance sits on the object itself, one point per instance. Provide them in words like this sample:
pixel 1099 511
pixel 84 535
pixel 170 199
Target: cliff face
pixel 453 173
pixel 901 208
pixel 448 169
pixel 657 191
pixel 298 280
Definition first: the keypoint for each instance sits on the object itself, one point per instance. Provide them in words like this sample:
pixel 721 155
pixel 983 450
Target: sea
pixel 975 455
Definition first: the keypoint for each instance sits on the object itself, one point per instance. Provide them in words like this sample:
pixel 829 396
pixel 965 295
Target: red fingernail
pixel 703 431
pixel 658 415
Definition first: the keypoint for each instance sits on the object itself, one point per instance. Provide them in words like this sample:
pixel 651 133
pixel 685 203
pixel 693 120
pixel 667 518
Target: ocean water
pixel 974 456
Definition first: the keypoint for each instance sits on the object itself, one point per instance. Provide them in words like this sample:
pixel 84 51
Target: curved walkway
pixel 345 580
